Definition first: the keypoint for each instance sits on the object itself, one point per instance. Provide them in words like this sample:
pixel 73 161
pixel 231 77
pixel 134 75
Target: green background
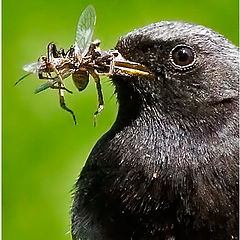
pixel 43 152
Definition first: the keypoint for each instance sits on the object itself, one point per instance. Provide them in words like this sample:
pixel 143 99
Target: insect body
pixel 84 58
pixel 58 65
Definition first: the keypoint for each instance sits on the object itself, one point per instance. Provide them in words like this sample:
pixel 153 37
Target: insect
pixel 84 58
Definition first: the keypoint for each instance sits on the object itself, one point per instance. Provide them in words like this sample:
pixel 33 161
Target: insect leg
pixel 112 65
pixel 58 75
pixel 50 83
pixel 52 51
pixel 63 88
pixel 40 76
pixel 62 102
pixel 99 93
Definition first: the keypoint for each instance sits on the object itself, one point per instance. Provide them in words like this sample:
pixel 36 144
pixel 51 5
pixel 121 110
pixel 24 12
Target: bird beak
pixel 121 66
pixel 112 63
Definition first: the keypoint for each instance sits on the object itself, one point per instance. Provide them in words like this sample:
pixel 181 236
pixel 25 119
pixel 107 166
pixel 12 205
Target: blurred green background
pixel 43 152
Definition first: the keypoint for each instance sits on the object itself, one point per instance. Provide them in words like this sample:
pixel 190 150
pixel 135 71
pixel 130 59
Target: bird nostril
pixel 146 46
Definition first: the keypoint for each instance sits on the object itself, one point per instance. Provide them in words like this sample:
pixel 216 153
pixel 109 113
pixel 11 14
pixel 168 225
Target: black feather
pixel 168 167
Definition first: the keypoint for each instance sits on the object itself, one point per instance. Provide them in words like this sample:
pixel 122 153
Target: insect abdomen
pixel 80 79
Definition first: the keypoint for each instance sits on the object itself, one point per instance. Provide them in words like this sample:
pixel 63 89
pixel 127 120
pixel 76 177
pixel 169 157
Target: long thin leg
pixel 112 65
pixel 51 82
pixel 58 75
pixel 63 88
pixel 99 93
pixel 62 102
pixel 40 76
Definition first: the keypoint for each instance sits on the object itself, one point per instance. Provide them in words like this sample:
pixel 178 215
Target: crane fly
pixel 83 58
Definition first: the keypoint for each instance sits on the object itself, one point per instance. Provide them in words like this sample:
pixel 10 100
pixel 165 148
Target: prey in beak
pixel 112 63
pixel 84 58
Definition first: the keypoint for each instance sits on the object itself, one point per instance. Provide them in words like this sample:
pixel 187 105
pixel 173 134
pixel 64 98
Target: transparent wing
pixel 85 29
pixel 31 67
pixel 44 86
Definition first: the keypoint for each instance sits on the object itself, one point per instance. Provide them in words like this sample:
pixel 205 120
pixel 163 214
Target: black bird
pixel 168 167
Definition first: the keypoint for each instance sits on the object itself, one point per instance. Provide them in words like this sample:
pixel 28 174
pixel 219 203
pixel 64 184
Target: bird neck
pixel 139 108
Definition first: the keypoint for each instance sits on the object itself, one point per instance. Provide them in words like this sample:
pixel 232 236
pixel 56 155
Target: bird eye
pixel 182 56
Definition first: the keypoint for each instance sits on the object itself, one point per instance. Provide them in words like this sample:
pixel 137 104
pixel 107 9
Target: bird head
pixel 194 68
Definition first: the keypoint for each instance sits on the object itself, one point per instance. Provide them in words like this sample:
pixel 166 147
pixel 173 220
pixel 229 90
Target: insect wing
pixel 44 86
pixel 80 79
pixel 31 67
pixel 85 29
